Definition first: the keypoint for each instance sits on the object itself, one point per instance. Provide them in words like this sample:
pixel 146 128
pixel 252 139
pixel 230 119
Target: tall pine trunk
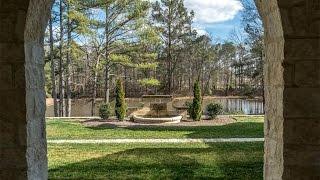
pixel 61 78
pixel 107 84
pixel 53 75
pixel 68 66
pixel 107 66
pixel 95 81
pixel 169 56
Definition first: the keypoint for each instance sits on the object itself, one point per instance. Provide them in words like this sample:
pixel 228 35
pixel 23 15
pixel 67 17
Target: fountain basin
pixel 157 110
pixel 156 120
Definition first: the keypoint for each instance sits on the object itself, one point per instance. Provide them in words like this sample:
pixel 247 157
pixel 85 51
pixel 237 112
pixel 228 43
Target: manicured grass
pixel 160 161
pixel 244 127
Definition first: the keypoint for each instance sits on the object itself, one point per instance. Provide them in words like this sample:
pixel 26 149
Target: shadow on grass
pixel 218 161
pixel 234 130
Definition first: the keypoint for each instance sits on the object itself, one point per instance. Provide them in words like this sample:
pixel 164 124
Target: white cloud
pixel 200 30
pixel 212 14
pixel 214 11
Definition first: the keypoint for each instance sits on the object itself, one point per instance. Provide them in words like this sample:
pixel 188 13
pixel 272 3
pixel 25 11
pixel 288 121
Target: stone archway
pixel 23 150
pixel 292 77
pixel 292 71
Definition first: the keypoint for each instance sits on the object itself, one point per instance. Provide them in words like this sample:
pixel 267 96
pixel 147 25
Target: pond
pixel 232 105
pixel 246 106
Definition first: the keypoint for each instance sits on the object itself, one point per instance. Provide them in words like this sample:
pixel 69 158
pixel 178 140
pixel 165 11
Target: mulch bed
pixel 220 121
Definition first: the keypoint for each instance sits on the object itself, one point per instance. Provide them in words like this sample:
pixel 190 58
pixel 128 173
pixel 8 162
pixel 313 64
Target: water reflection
pixel 246 106
pixel 82 107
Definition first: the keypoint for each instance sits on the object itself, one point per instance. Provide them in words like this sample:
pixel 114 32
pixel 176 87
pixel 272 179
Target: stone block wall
pixel 23 150
pixel 13 141
pixel 301 22
pixel 292 72
pixel 292 77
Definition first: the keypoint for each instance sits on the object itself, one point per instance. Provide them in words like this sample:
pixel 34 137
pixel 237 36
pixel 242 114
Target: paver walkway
pixel 128 141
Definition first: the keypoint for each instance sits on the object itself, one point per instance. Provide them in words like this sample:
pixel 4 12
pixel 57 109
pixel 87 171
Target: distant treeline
pixel 152 47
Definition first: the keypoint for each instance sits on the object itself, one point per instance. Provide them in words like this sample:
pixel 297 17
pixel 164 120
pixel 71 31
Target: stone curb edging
pixel 169 120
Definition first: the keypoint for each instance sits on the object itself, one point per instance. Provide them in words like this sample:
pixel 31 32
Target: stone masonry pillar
pixel 292 73
pixel 22 97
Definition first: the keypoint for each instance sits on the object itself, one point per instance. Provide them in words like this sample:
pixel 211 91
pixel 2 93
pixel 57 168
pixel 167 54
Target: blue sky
pixel 216 17
pixel 223 30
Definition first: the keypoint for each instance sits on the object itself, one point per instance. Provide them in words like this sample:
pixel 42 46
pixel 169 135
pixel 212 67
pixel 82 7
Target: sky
pixel 216 17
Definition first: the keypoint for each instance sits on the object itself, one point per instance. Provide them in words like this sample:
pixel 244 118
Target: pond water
pixel 82 107
pixel 246 106
pixel 231 105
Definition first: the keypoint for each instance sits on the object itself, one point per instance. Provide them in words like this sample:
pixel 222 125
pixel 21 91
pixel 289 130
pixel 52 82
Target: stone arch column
pixel 292 71
pixel 292 77
pixel 23 151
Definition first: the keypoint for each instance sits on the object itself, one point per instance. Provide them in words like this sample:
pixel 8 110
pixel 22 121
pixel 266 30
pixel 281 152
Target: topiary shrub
pixel 104 111
pixel 213 110
pixel 120 107
pixel 196 111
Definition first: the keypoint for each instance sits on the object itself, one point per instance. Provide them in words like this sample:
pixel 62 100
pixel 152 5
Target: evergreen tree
pixel 61 61
pixel 253 27
pixel 120 108
pixel 53 68
pixel 77 22
pixel 144 55
pixel 121 23
pixel 174 23
pixel 196 112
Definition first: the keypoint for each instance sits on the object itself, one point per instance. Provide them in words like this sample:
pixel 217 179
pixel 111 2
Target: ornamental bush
pixel 120 107
pixel 104 111
pixel 213 110
pixel 196 111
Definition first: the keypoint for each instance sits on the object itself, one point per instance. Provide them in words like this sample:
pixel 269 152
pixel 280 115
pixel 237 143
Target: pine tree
pixel 174 22
pixel 121 21
pixel 53 69
pixel 197 103
pixel 120 107
pixel 61 63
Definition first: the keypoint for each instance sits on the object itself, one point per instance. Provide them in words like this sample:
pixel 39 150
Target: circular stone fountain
pixel 156 111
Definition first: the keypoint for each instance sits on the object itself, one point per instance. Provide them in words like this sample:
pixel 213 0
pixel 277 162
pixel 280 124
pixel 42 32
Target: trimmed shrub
pixel 120 107
pixel 196 111
pixel 104 111
pixel 213 110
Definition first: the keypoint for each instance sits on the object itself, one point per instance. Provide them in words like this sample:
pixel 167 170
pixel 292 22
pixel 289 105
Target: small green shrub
pixel 104 111
pixel 213 110
pixel 247 90
pixel 188 105
pixel 196 111
pixel 120 107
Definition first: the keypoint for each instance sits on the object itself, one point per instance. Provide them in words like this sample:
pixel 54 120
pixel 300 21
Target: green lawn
pixel 160 161
pixel 244 127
